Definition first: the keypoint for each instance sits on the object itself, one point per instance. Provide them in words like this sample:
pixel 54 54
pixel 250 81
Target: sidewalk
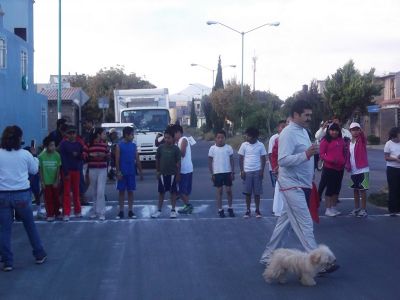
pixel 376 147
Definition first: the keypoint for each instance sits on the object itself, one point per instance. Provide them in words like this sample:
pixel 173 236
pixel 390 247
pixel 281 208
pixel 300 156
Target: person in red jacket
pixel 333 152
pixel 357 164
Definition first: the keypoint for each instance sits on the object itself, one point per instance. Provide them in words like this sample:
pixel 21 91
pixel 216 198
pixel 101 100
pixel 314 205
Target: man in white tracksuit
pixel 296 171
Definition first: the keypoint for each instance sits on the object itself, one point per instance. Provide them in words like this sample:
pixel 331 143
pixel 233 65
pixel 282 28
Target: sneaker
pixel 66 218
pixel 329 213
pixel 102 218
pixel 131 215
pixel 78 215
pixel 354 212
pixel 40 215
pixel 258 214
pixel 247 214
pixel 329 269
pixel 190 208
pixel 231 213
pixel 120 215
pixel 362 214
pixel 50 219
pixel 335 211
pixel 186 209
pixel 7 268
pixel 92 216
pixel 41 260
pixel 173 214
pixel 221 213
pixel 156 214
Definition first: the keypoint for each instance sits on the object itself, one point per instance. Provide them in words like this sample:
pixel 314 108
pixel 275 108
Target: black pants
pixel 393 179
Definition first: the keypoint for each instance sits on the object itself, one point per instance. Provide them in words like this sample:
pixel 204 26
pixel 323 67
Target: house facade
pixel 20 104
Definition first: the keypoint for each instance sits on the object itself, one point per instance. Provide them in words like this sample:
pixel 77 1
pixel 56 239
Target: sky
pixel 160 39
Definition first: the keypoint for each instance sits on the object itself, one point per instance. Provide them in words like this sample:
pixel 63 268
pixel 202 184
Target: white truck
pixel 148 111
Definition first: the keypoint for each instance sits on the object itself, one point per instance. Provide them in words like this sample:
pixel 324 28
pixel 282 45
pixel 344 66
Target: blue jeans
pixel 22 204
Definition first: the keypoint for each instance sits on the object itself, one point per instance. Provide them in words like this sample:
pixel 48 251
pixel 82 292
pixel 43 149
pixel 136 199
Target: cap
pixel 354 125
pixel 71 128
pixel 112 130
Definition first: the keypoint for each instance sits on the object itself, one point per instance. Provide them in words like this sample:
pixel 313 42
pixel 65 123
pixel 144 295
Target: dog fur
pixel 304 265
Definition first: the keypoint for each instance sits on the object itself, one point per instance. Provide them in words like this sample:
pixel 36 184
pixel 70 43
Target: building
pixel 72 100
pixel 20 104
pixel 385 114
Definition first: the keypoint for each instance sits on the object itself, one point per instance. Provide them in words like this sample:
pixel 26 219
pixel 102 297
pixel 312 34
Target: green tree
pixel 348 92
pixel 193 116
pixel 102 85
pixel 208 111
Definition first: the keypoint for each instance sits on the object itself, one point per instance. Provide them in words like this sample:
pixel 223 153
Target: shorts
pixel 273 178
pixel 360 181
pixel 333 179
pixel 221 179
pixel 127 183
pixel 185 184
pixel 167 183
pixel 252 184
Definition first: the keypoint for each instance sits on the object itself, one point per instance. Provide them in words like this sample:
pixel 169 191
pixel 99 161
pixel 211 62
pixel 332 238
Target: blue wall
pixel 18 106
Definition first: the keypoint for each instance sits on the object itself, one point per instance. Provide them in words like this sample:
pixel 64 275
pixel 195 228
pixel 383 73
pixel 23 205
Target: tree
pixel 102 85
pixel 208 111
pixel 193 116
pixel 348 92
pixel 219 83
pixel 320 109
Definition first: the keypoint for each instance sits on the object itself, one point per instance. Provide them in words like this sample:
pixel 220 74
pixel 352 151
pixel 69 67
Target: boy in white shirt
pixel 221 166
pixel 252 159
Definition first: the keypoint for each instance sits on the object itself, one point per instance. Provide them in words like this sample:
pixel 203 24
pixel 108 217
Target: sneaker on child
pixel 173 214
pixel 120 215
pixel 156 214
pixel 258 214
pixel 354 212
pixel 221 213
pixel 231 213
pixel 330 213
pixel 247 214
pixel 362 214
pixel 66 218
pixel 131 215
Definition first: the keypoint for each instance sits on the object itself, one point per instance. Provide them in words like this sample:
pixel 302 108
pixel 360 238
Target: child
pixel 357 164
pixel 71 152
pixel 98 156
pixel 126 160
pixel 222 169
pixel 34 184
pixel 168 165
pixel 252 159
pixel 185 184
pixel 49 165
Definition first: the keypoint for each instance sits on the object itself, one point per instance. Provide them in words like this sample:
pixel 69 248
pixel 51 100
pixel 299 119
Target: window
pixel 24 63
pixel 3 53
pixel 44 117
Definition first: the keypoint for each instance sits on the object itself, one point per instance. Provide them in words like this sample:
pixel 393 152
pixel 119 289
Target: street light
pixel 242 34
pixel 212 70
pixel 59 63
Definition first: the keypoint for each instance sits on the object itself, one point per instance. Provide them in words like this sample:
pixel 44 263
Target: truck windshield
pixel 146 119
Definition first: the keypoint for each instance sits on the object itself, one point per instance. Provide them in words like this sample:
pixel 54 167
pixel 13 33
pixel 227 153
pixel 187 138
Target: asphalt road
pixel 201 256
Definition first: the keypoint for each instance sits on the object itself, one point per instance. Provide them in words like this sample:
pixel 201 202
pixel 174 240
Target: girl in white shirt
pixel 392 157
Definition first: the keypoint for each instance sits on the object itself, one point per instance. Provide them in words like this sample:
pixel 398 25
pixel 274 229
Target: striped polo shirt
pixel 95 161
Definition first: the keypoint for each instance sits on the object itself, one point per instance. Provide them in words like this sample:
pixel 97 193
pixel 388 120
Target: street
pixel 202 256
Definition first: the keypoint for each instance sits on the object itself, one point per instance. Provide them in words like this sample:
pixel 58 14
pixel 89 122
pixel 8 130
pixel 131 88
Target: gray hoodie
pixel 295 169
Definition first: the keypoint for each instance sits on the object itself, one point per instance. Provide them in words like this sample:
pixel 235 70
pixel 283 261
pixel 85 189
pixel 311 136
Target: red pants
pixel 71 182
pixel 52 200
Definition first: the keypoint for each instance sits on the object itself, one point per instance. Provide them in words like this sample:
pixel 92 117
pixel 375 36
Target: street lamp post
pixel 59 62
pixel 212 70
pixel 242 33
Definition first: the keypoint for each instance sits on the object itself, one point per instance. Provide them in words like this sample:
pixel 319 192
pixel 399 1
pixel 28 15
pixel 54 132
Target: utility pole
pixel 254 70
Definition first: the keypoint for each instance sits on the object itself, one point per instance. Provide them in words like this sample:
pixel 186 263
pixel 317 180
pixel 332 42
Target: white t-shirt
pixel 221 158
pixel 186 162
pixel 15 167
pixel 271 143
pixel 354 169
pixel 252 155
pixel 394 150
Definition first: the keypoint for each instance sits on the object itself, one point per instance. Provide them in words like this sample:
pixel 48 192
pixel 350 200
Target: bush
pixel 373 140
pixel 209 136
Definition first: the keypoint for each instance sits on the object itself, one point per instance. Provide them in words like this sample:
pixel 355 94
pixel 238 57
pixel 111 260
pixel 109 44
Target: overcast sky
pixel 159 39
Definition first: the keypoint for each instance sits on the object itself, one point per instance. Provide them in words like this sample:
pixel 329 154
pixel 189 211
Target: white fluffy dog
pixel 304 265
